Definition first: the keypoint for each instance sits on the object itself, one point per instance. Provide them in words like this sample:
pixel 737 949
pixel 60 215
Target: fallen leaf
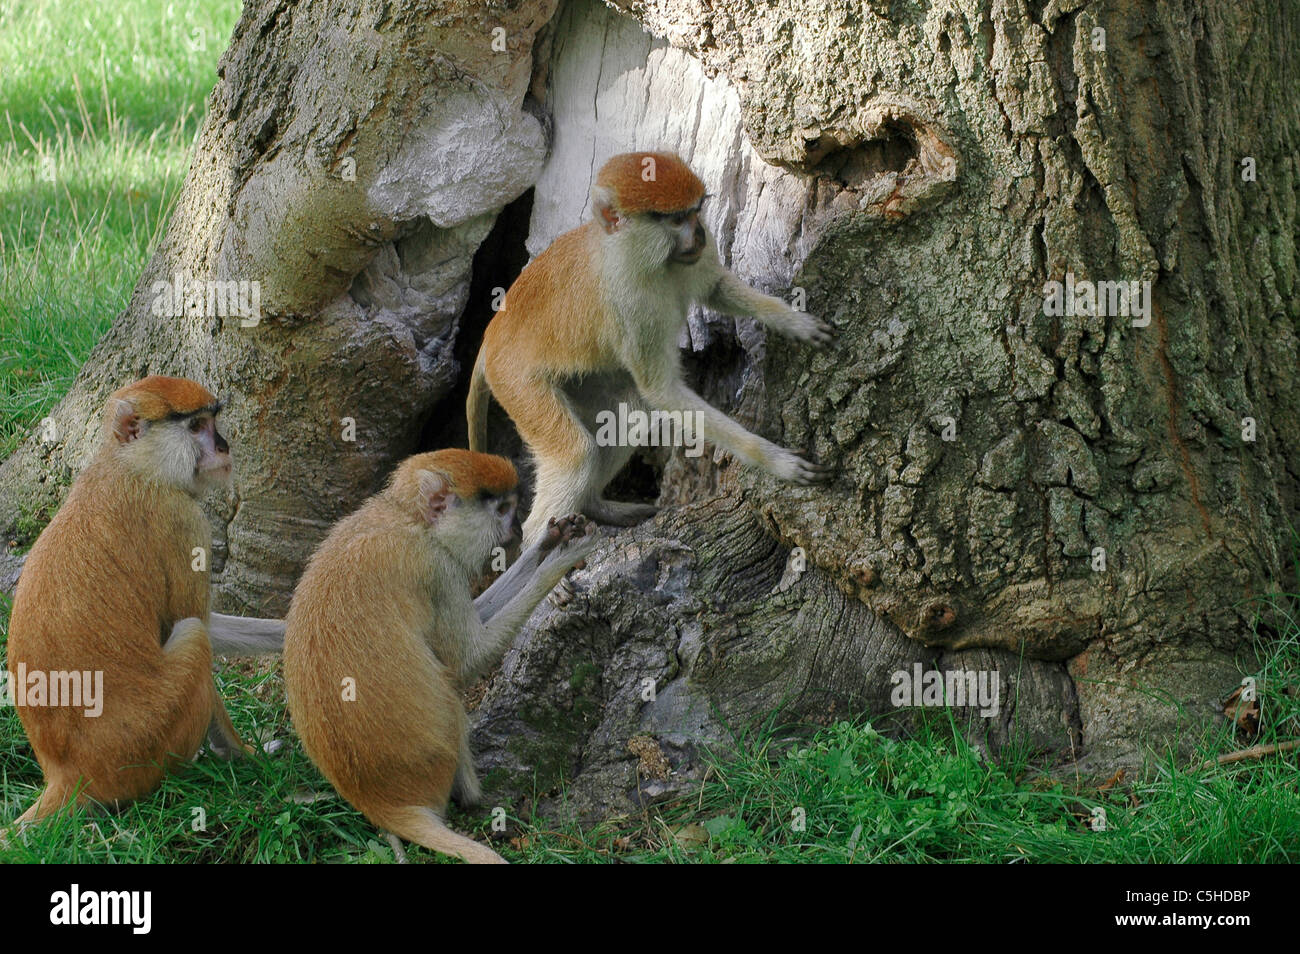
pixel 691 836
pixel 1244 713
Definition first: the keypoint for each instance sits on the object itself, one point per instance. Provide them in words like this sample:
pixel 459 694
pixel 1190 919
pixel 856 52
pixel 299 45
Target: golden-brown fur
pixel 664 184
pixel 572 347
pixel 157 397
pixel 341 626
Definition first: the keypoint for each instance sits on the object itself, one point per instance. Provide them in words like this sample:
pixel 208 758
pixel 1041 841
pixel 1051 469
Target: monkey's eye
pixel 196 425
pixel 503 507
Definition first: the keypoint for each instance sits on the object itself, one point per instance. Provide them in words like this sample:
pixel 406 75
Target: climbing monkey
pixel 593 322
pixel 383 636
pixel 109 596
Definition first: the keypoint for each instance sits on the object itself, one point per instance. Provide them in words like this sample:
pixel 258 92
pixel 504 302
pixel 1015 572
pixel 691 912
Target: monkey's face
pixel 656 239
pixel 185 451
pixel 189 451
pixel 212 464
pixel 476 526
pixel 494 520
pixel 686 233
pixel 505 521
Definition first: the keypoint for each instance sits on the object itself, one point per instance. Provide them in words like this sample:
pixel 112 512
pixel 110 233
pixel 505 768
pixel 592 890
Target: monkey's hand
pixel 805 327
pixel 788 465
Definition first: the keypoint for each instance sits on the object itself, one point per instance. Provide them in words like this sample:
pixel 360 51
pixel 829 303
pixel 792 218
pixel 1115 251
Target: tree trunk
pixel 1085 503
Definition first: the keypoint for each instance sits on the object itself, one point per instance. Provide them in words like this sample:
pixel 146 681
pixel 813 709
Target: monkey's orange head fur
pixel 642 182
pixel 156 397
pixel 471 473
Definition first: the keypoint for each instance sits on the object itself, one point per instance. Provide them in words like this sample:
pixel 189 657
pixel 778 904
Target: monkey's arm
pixel 731 296
pixel 563 546
pixel 492 600
pixel 244 635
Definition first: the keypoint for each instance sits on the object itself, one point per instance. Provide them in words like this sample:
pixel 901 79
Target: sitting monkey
pixel 109 593
pixel 383 636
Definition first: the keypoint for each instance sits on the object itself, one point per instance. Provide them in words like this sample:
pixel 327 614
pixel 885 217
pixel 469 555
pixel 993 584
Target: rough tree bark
pixel 921 171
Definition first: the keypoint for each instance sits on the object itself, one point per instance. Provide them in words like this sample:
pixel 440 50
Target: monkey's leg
pixel 619 513
pixel 399 853
pixel 562 487
pixel 173 723
pixel 244 635
pixel 504 587
pixel 611 460
pixel 188 641
pixel 176 716
pixel 565 452
pixel 424 827
pixel 58 793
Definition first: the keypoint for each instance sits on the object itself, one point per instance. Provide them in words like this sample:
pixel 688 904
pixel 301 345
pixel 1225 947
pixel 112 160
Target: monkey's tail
pixel 476 407
pixel 424 827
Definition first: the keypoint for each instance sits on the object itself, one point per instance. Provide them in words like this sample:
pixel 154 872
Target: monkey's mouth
pixel 687 258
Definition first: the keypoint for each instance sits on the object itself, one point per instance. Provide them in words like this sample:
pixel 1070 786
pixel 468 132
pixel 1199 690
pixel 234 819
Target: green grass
pixel 861 797
pixel 99 107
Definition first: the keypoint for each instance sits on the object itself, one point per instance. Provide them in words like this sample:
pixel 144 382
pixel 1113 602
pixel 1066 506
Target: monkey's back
pixel 551 316
pixel 376 710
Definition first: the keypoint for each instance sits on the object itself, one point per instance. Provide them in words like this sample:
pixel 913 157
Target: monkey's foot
pixel 569 540
pixel 399 853
pixel 225 747
pixel 466 788
pixel 564 530
pixel 619 514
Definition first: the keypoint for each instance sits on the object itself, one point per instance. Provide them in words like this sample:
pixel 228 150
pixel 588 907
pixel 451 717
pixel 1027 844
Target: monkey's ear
pixel 126 422
pixel 435 493
pixel 602 202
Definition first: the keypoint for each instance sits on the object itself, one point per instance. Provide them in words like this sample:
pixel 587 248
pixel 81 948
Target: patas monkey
pixel 109 597
pixel 594 321
pixel 383 635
